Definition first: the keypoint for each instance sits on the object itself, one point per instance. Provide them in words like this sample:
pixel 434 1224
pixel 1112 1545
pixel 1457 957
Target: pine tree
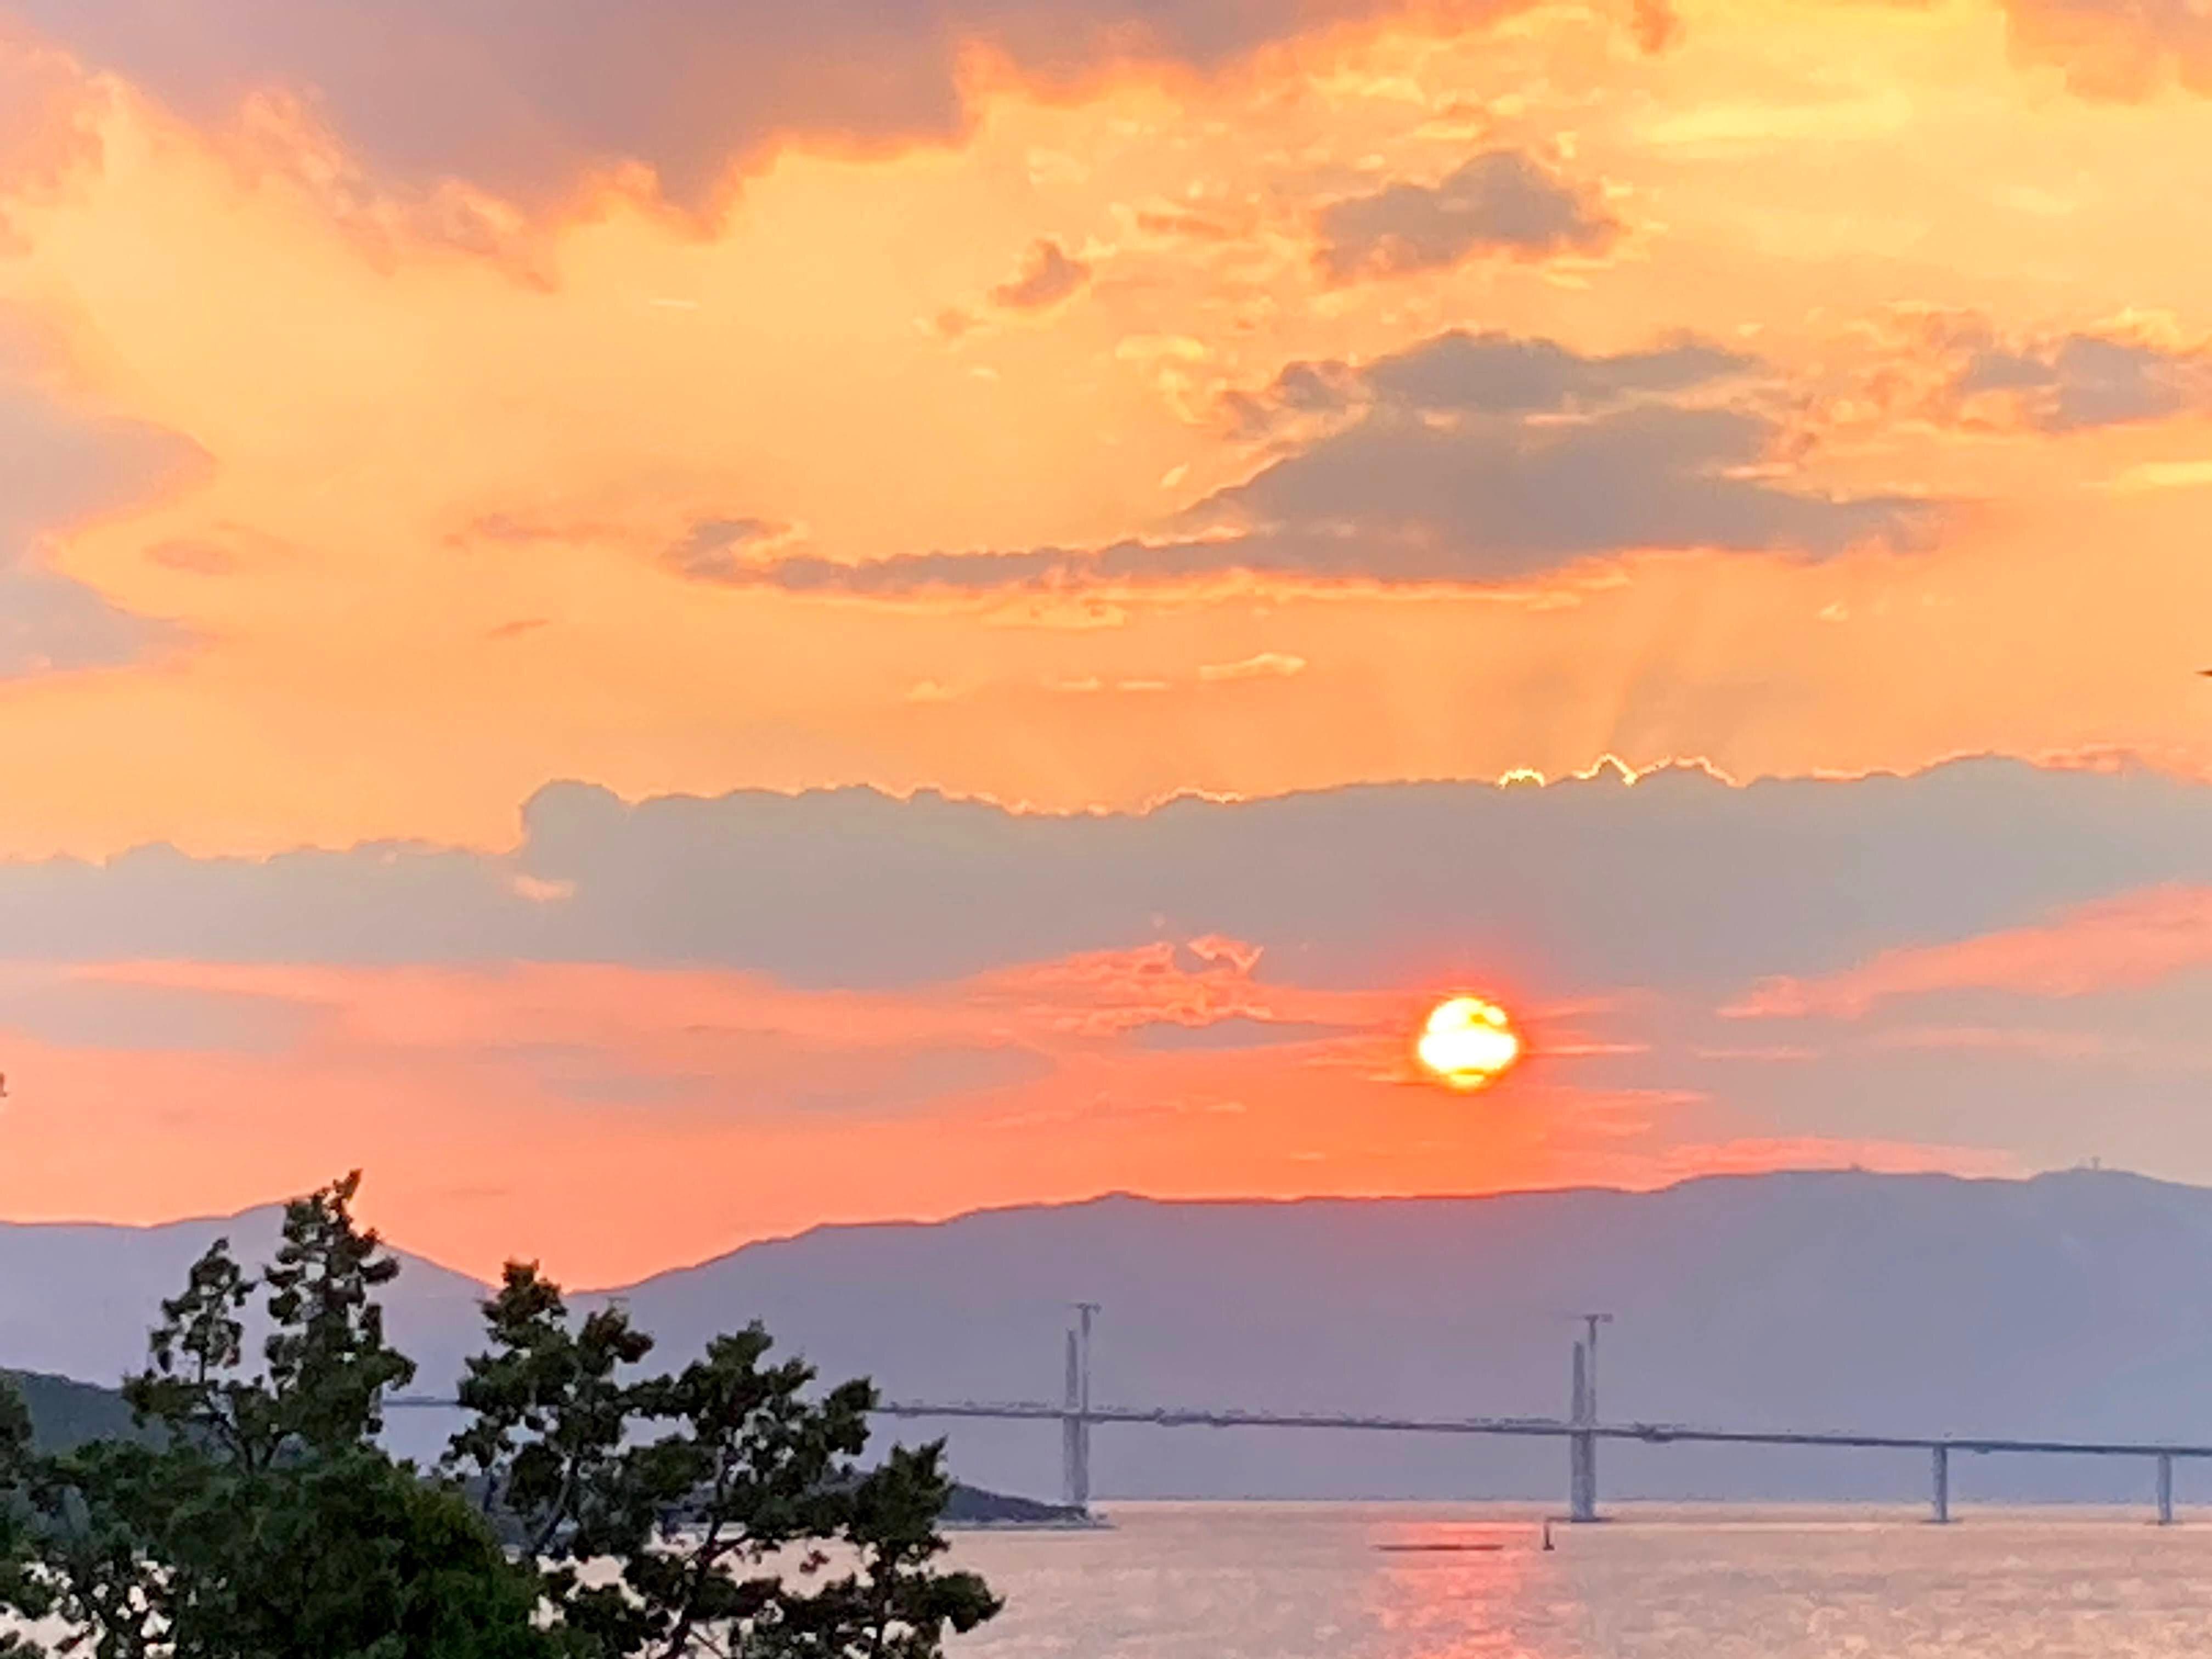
pixel 726 1495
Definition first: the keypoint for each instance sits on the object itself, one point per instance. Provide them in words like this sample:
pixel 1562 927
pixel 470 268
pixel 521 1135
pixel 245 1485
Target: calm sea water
pixel 1265 1581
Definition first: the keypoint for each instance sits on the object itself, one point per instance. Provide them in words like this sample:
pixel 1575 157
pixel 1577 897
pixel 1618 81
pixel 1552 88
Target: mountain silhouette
pixel 2076 1305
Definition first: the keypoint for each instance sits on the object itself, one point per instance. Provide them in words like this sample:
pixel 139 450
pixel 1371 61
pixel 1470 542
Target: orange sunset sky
pixel 666 622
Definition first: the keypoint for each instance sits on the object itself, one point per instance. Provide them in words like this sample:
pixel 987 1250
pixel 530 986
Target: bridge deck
pixel 1167 1417
pixel 1582 1434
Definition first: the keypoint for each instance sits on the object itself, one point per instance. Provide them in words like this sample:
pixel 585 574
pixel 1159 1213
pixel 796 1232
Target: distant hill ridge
pixel 2073 1304
pixel 66 1413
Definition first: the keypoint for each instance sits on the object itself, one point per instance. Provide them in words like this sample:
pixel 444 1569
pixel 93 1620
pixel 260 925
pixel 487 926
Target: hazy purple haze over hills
pixel 2072 1305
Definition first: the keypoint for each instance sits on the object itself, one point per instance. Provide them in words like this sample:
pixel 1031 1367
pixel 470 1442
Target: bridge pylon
pixel 1581 1443
pixel 1075 1421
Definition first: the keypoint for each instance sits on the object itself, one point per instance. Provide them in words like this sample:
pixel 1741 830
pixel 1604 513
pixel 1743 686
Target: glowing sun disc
pixel 1468 1043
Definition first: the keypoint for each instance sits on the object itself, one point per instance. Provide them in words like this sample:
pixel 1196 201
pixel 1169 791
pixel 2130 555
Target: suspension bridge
pixel 1582 1429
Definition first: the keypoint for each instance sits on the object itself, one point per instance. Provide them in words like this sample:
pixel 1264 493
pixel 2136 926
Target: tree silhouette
pixel 582 1512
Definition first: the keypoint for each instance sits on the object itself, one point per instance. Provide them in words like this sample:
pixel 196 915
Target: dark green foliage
pixel 325 1363
pixel 351 1554
pixel 893 1604
pixel 247 1512
pixel 724 1495
pixel 549 1415
pixel 257 1518
pixel 19 1587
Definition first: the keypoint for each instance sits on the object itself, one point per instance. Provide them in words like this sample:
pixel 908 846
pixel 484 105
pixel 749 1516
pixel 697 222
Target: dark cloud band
pixel 1469 459
pixel 1680 880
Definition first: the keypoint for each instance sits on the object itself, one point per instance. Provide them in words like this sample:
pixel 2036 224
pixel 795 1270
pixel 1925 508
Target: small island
pixel 971 1507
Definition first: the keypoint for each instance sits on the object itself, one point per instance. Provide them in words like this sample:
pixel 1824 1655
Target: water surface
pixel 1267 1581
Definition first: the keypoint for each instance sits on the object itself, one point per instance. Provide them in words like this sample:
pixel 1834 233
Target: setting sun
pixel 1468 1043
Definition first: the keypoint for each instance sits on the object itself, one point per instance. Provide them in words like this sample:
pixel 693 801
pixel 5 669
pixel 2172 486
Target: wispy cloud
pixel 1263 665
pixel 2133 940
pixel 59 471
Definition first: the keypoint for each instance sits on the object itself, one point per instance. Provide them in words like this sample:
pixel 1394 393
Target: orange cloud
pixel 2117 944
pixel 2124 53
pixel 1050 274
pixel 49 125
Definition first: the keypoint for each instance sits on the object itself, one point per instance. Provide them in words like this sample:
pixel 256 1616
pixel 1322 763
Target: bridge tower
pixel 1582 1448
pixel 1075 1421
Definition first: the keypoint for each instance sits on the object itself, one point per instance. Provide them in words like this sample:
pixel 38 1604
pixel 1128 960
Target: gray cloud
pixel 1958 368
pixel 1469 458
pixel 1497 373
pixel 1403 500
pixel 51 625
pixel 57 472
pixel 1048 274
pixel 1680 881
pixel 1500 202
pixel 2080 381
pixel 526 99
pixel 1488 374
